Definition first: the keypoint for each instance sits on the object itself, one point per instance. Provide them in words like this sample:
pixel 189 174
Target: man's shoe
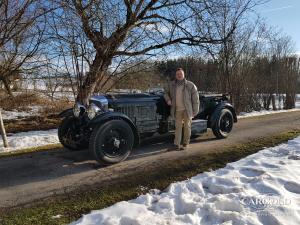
pixel 185 147
pixel 174 148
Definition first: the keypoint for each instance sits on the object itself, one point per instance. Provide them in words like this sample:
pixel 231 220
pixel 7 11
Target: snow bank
pixel 30 139
pixel 263 112
pixel 263 188
pixel 11 115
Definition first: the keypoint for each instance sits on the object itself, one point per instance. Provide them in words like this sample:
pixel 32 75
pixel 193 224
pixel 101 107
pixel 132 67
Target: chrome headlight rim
pixel 78 109
pixel 92 111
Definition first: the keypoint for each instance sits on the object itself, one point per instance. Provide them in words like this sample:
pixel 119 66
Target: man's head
pixel 179 74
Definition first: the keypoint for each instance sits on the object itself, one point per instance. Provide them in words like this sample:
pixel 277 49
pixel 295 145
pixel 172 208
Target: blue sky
pixel 284 14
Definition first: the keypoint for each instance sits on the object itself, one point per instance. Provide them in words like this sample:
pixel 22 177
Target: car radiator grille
pixel 143 115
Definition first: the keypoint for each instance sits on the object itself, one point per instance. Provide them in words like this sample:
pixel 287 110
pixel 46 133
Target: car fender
pixel 104 117
pixel 66 113
pixel 220 106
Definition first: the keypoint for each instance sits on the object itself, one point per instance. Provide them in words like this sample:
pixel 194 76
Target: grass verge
pixel 71 206
pixel 30 150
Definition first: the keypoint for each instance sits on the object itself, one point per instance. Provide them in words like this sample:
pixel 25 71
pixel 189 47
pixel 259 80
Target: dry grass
pixel 20 102
pixel 26 100
pixel 44 116
pixel 57 106
pixel 32 123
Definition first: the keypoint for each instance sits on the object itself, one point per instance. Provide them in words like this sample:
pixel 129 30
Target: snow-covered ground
pixel 24 140
pixel 264 112
pixel 11 115
pixel 263 188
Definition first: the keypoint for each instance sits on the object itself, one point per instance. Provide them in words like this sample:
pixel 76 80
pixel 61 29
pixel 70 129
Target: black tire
pixel 111 142
pixel 223 124
pixel 69 137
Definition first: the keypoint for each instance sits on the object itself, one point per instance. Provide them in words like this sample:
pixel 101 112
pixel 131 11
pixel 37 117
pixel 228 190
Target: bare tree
pixel 292 71
pixel 284 68
pixel 116 31
pixel 21 34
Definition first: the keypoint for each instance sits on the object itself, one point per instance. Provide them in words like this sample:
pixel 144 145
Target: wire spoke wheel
pixel 223 124
pixel 111 142
pixel 226 123
pixel 114 143
pixel 70 135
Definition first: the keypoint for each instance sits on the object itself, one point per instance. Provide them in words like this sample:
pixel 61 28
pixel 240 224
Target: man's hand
pixel 169 102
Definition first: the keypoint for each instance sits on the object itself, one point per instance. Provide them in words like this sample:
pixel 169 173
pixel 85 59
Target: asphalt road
pixel 34 176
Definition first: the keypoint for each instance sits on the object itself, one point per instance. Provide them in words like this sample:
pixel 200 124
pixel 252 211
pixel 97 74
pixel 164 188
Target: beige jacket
pixel 190 97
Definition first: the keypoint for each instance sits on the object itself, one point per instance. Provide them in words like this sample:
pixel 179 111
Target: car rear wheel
pixel 69 135
pixel 223 124
pixel 111 142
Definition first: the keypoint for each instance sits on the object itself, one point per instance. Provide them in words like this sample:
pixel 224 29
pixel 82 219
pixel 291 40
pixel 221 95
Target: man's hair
pixel 179 69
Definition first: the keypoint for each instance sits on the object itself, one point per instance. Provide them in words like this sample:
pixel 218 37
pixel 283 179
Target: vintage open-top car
pixel 113 124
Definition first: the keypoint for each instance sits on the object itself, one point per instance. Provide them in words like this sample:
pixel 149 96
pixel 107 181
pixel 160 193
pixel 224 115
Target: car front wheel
pixel 223 124
pixel 69 135
pixel 111 142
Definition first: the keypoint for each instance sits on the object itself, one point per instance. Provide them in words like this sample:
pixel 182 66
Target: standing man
pixel 183 97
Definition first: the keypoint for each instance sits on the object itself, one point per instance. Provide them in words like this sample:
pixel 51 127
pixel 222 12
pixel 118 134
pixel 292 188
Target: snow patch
pixel 264 112
pixel 262 188
pixel 30 139
pixel 15 114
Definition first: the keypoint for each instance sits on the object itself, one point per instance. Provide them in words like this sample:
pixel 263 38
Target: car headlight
pixel 78 109
pixel 92 111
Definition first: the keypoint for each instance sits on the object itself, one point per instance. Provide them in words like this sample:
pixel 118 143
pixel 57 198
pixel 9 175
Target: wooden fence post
pixel 2 131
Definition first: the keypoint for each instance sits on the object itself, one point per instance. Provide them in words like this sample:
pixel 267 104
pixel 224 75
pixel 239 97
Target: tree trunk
pixel 92 78
pixel 290 101
pixel 279 101
pixel 2 132
pixel 265 101
pixel 274 103
pixel 268 102
pixel 7 87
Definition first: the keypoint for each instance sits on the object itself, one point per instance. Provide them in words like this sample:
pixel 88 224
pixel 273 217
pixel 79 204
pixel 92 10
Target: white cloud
pixel 277 9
